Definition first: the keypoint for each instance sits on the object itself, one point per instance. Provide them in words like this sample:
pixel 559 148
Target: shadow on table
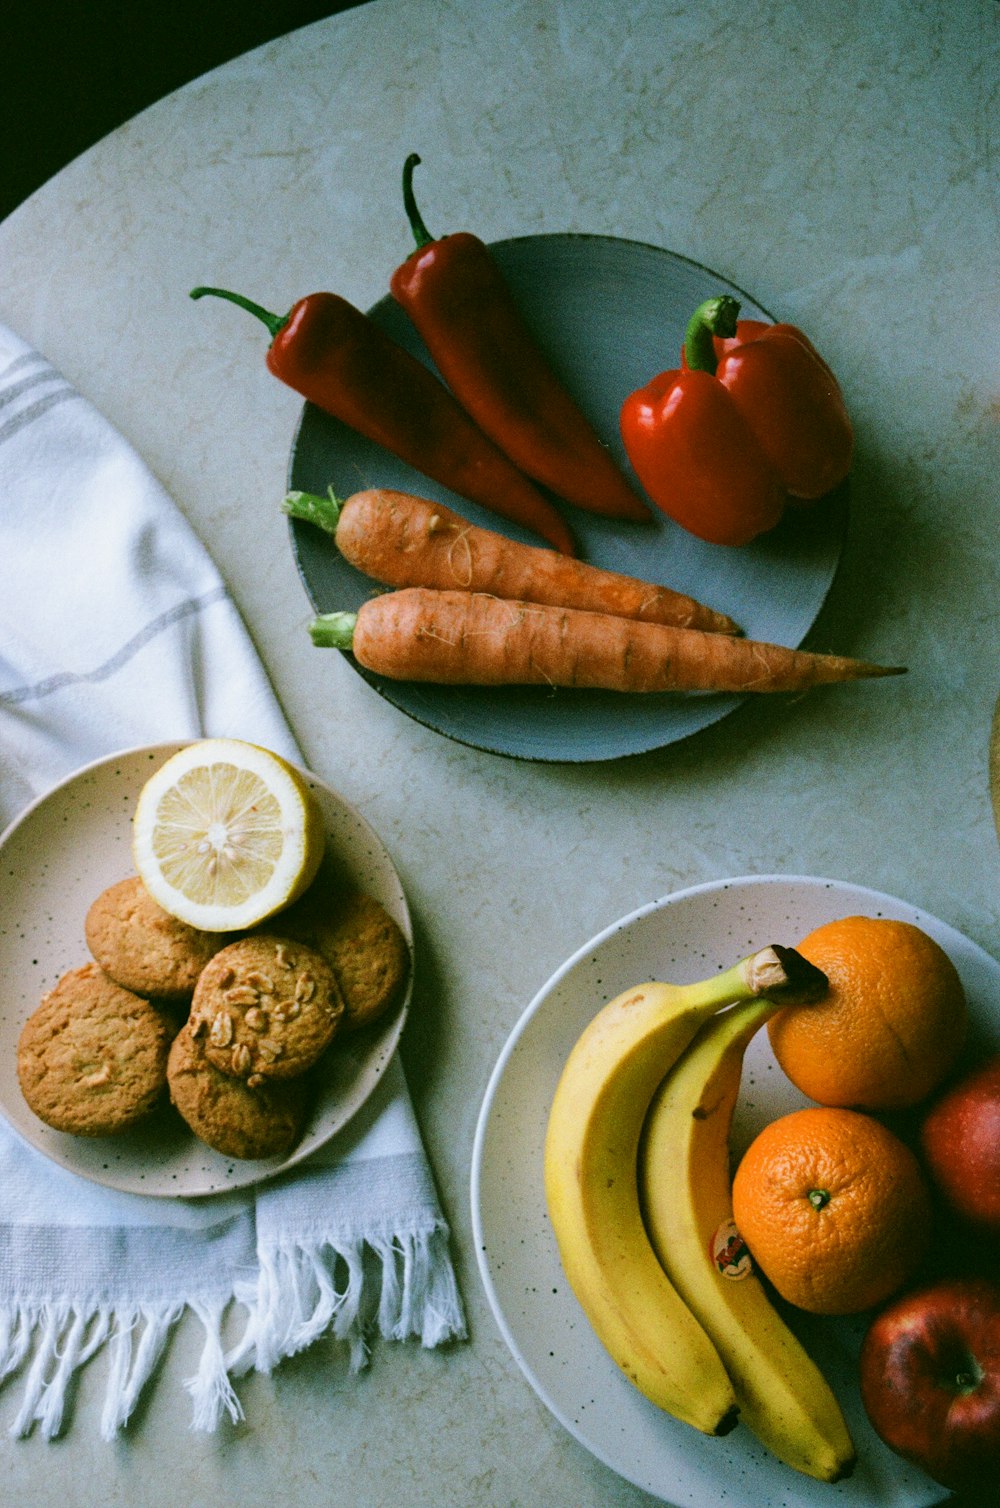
pixel 75 70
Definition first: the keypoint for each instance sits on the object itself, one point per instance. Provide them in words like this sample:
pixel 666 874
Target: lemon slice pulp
pixel 225 834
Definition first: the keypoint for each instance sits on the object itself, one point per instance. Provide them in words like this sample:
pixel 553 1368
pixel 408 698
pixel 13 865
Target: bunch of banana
pixel 591 1179
pixel 684 1183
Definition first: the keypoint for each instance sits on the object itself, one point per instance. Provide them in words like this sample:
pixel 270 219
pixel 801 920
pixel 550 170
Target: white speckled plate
pixel 683 937
pixel 610 314
pixel 57 858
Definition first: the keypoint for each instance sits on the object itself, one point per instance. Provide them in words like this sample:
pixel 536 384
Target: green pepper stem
pixel 274 322
pixel 421 234
pixel 716 316
pixel 969 1375
pixel 311 508
pixel 333 630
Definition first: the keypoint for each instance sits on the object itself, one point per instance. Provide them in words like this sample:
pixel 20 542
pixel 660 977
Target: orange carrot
pixel 472 638
pixel 402 540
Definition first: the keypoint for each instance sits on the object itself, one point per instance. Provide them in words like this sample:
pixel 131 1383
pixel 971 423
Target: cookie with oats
pixel 225 1113
pixel 92 1058
pixel 362 943
pixel 265 1007
pixel 142 947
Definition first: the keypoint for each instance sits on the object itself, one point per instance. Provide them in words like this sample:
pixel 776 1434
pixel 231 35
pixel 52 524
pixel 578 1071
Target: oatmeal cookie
pixel 92 1058
pixel 142 947
pixel 360 941
pixel 265 1007
pixel 225 1113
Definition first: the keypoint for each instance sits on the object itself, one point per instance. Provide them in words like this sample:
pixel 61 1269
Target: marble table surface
pixel 838 161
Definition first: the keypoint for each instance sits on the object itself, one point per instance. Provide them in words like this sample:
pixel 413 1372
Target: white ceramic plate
pixel 610 314
pixel 682 937
pixel 55 860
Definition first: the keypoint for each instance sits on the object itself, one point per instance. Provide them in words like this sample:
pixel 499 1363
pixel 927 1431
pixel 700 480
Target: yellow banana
pixel 684 1180
pixel 591 1186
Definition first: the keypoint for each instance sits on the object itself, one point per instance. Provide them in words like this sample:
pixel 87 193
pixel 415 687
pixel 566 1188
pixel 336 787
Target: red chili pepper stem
pixel 421 234
pixel 274 322
pixel 716 316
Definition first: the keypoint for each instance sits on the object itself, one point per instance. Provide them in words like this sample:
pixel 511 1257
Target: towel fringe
pixel 210 1388
pixel 304 1291
pixel 65 1337
pixel 16 1327
pixel 131 1368
pixel 401 1287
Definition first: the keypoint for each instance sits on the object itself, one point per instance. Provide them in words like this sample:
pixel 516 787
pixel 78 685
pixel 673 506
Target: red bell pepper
pixel 339 359
pixel 752 419
pixel 457 298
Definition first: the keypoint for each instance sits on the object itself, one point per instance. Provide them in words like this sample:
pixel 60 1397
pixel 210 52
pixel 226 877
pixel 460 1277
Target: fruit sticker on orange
pixel 730 1253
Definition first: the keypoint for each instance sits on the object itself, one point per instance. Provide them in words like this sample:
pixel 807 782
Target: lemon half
pixel 225 834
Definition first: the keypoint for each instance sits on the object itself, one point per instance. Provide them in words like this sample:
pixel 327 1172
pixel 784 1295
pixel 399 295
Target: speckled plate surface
pixel 610 314
pixel 55 859
pixel 682 937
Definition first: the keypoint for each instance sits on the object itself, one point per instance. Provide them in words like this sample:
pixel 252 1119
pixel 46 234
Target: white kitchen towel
pixel 116 630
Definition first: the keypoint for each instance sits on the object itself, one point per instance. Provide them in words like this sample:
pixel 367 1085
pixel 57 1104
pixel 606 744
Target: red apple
pixel 960 1138
pixel 930 1379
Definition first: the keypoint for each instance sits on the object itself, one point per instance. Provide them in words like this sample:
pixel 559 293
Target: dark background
pixel 73 70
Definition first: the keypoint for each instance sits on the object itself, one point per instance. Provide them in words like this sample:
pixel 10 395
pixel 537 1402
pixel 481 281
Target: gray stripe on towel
pixel 52 683
pixel 373 1198
pixel 92 1265
pixel 16 389
pixel 29 415
pixel 26 359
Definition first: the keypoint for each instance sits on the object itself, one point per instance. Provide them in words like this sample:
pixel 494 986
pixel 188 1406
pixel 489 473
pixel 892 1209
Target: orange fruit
pixel 891 1025
pixel 834 1209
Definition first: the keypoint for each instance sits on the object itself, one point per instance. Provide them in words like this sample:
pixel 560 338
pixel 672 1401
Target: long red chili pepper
pixel 340 360
pixel 457 298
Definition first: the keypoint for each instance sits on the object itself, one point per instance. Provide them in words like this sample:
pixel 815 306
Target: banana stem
pixel 783 975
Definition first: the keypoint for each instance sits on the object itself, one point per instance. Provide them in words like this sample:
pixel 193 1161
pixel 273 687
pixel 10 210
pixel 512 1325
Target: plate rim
pixel 267 1169
pixel 536 1006
pixel 729 702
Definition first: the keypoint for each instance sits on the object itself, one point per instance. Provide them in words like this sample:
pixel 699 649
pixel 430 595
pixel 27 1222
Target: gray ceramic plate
pixel 610 314
pixel 682 937
pixel 63 851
